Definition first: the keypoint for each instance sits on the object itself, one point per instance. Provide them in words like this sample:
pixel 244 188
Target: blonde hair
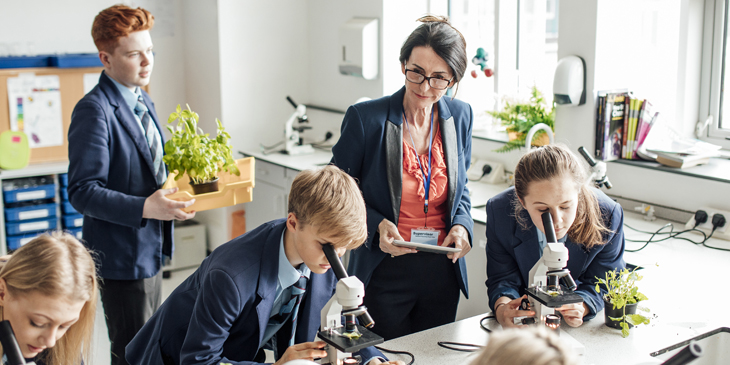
pixel 330 200
pixel 552 161
pixel 58 265
pixel 530 346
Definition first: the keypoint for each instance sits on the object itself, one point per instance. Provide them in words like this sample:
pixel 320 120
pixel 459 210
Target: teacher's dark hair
pixel 437 33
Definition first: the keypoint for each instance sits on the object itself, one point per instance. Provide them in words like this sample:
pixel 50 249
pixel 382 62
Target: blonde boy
pixel 243 298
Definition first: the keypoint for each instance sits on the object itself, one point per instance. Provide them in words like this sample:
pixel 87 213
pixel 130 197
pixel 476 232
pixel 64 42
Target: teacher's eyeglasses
pixel 436 82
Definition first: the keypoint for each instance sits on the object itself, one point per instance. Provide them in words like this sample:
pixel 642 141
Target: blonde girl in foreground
pixel 48 293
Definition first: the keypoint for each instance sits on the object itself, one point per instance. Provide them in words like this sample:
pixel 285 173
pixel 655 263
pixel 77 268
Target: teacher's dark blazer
pixel 512 251
pixel 219 313
pixel 370 149
pixel 109 177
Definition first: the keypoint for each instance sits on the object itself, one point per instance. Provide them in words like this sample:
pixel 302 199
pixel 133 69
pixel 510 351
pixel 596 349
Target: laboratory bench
pixel 685 282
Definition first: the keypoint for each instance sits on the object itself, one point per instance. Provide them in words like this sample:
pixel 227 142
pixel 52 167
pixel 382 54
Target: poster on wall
pixel 35 108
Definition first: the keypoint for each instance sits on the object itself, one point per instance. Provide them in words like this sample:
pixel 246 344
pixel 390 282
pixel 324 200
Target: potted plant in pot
pixel 520 117
pixel 622 300
pixel 191 151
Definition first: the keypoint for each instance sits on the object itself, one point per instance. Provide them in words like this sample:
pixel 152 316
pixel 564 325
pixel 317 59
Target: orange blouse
pixel 412 198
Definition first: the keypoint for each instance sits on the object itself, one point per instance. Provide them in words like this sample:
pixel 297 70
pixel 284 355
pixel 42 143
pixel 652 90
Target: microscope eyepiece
pixel 334 261
pixel 547 224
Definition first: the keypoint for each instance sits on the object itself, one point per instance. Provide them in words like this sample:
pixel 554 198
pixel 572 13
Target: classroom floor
pixel 101 338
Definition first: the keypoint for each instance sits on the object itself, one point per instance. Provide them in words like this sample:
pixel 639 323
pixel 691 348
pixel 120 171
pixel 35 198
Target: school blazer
pixel 370 149
pixel 110 175
pixel 512 251
pixel 219 314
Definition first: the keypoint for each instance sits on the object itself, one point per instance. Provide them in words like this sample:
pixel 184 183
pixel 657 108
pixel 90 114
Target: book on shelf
pixel 614 126
pixel 625 131
pixel 599 125
pixel 683 160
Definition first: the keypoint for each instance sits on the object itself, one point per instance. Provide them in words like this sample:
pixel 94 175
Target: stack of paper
pixel 667 147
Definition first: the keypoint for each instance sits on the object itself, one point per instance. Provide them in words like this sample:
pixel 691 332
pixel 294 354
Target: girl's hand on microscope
pixel 389 232
pixel 573 313
pixel 306 350
pixel 506 313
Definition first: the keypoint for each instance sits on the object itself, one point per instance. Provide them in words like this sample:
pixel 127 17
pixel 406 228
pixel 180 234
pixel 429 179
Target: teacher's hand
pixel 389 232
pixel 459 236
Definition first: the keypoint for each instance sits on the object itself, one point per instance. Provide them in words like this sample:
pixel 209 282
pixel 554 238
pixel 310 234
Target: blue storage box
pixel 36 225
pixel 30 212
pixel 15 242
pixel 75 60
pixel 32 193
pixel 24 61
pixel 64 194
pixel 63 178
pixel 67 208
pixel 76 232
pixel 73 221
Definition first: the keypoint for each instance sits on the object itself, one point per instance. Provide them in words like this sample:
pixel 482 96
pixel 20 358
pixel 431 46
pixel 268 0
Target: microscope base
pixel 345 344
pixel 551 301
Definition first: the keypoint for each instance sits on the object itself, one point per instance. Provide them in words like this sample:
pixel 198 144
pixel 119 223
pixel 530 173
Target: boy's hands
pixel 157 206
pixel 307 351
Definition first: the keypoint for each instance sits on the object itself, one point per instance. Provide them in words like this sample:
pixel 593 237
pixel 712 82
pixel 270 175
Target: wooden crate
pixel 232 189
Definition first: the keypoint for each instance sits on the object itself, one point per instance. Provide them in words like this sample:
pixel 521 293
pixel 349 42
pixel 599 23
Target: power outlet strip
pixel 721 232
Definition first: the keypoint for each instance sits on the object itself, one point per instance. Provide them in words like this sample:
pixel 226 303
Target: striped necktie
pixel 297 292
pixel 155 146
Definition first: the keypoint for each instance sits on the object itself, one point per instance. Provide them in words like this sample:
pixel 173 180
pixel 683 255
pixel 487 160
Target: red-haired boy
pixel 115 175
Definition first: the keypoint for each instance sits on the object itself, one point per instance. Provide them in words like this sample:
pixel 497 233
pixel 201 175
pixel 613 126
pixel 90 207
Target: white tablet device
pixel 425 247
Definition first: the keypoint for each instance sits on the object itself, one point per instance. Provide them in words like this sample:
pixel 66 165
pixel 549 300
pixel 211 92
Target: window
pixel 714 103
pixel 521 39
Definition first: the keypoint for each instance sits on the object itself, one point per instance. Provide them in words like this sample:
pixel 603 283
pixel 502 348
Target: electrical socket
pixel 720 232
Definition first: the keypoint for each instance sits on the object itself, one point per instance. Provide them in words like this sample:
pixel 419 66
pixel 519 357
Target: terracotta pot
pixel 609 311
pixel 543 140
pixel 203 188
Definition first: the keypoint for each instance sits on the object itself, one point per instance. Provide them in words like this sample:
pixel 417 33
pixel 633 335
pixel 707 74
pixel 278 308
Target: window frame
pixel 713 51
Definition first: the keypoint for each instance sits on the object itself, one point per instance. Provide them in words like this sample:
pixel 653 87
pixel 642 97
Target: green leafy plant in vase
pixel 191 151
pixel 520 117
pixel 622 300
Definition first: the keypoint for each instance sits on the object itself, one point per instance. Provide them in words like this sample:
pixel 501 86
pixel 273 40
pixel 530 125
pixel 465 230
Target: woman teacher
pixel 410 152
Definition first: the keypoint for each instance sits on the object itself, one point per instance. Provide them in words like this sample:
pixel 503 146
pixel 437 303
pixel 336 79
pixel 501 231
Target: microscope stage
pixel 554 302
pixel 345 344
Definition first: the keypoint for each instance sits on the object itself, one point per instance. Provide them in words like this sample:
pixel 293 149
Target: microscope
pixel 11 349
pixel 551 285
pixel 343 340
pixel 293 144
pixel 598 169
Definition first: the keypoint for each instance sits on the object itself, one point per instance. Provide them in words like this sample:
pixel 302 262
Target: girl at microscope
pixel 48 293
pixel 590 224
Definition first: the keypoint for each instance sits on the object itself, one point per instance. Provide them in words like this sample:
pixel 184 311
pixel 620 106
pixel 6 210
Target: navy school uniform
pixel 220 313
pixel 512 251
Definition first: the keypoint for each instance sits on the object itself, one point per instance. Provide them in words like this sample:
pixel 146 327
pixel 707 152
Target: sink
pixel 715 347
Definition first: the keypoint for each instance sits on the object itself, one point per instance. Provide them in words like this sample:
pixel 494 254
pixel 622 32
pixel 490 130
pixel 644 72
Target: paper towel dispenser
pixel 359 48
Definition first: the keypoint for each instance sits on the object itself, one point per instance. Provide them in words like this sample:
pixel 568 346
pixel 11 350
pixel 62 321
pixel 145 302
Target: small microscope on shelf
pixel 598 169
pixel 551 285
pixel 343 340
pixel 293 143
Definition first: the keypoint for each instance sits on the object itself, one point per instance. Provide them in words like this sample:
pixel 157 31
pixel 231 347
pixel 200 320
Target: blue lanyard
pixel 426 179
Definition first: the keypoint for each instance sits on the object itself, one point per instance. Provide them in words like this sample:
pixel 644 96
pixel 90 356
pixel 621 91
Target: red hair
pixel 117 22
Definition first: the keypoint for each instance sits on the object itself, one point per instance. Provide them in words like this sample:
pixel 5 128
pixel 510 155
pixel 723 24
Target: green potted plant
pixel 520 117
pixel 622 300
pixel 191 151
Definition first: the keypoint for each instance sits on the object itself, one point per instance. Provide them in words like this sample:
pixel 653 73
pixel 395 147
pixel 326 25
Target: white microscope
pixel 545 292
pixel 598 169
pixel 343 340
pixel 293 144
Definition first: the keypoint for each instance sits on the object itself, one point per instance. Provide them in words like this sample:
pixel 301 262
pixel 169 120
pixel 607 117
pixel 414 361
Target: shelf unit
pixel 40 169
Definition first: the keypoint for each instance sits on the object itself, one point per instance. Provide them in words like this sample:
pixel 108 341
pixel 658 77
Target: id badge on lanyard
pixel 424 234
